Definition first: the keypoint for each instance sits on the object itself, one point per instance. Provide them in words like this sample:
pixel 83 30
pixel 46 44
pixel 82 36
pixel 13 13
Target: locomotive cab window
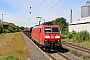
pixel 55 30
pixel 47 30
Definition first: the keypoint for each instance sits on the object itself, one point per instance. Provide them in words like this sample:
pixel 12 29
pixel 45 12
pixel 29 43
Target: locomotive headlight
pixel 45 40
pixel 47 36
pixel 57 36
pixel 58 40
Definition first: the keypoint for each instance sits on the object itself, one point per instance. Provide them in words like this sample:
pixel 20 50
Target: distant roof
pixel 87 3
pixel 4 23
pixel 82 20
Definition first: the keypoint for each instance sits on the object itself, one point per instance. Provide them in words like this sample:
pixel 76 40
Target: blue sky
pixel 17 11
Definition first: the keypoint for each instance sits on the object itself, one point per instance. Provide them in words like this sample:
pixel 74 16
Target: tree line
pixel 79 36
pixel 11 28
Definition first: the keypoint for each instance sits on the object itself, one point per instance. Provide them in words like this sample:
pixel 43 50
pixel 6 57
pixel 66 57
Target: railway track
pixel 58 56
pixel 86 50
pixel 51 56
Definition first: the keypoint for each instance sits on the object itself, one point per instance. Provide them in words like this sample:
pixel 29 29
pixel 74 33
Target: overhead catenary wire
pixel 72 9
pixel 52 6
pixel 48 4
pixel 38 5
pixel 34 3
pixel 55 5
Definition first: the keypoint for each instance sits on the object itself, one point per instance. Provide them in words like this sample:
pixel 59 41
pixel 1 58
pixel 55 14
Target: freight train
pixel 46 36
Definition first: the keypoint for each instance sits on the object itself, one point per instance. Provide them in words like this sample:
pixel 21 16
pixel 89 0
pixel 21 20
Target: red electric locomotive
pixel 47 36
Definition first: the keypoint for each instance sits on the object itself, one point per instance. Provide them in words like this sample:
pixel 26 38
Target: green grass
pixel 13 44
pixel 83 44
pixel 10 58
pixel 79 38
pixel 78 54
pixel 20 51
pixel 0 54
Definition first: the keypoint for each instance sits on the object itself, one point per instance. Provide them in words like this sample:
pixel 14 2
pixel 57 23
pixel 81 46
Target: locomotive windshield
pixel 51 30
pixel 55 30
pixel 47 29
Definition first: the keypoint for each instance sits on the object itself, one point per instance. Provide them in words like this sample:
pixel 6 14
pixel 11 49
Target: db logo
pixel 52 36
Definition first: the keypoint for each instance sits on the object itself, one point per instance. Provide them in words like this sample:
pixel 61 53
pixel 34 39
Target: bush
pixel 69 35
pixel 83 36
pixel 63 36
pixel 7 31
pixel 1 29
pixel 79 36
pixel 10 58
pixel 20 51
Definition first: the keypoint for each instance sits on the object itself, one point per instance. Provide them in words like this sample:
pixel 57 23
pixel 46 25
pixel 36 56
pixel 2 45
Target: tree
pixel 0 21
pixel 62 23
pixel 1 29
pixel 18 29
pixel 21 27
pixel 13 28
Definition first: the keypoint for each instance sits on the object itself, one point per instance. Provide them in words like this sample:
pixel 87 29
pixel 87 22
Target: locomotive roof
pixel 39 26
pixel 36 26
pixel 50 25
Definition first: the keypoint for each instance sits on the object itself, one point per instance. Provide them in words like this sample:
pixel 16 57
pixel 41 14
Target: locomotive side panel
pixel 36 34
pixel 42 35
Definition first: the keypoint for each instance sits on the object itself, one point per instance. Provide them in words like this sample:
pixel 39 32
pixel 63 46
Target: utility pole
pixel 71 16
pixel 0 21
pixel 2 18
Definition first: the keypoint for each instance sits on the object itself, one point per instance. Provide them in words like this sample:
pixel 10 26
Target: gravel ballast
pixel 35 52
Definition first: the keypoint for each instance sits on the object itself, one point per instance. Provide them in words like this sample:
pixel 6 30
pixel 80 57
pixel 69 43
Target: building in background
pixel 85 10
pixel 5 25
pixel 84 22
pixel 80 25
